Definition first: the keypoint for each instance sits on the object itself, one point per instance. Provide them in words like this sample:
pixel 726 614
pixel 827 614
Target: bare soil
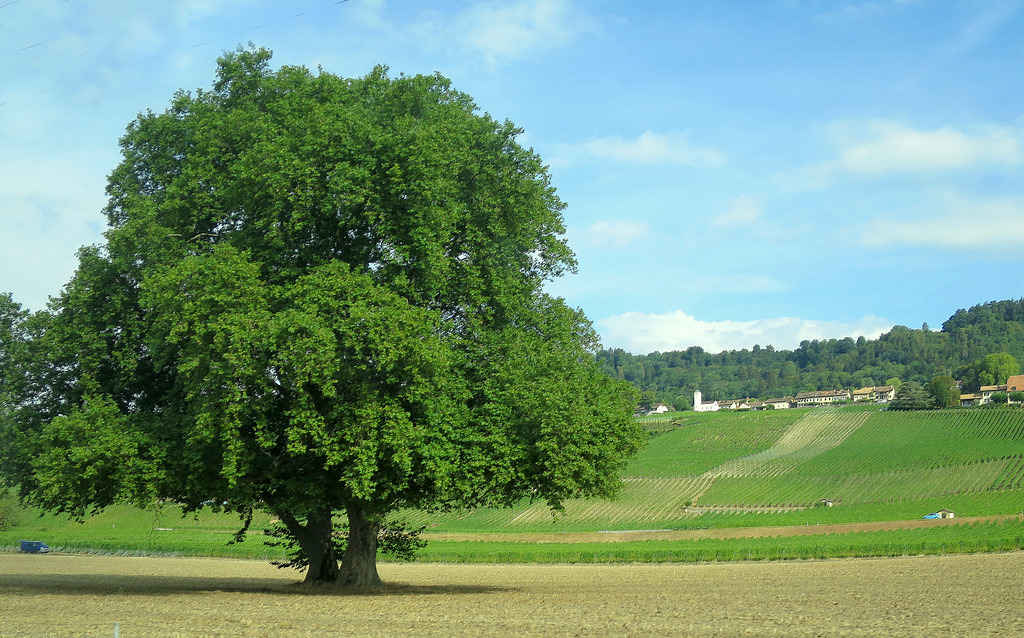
pixel 73 595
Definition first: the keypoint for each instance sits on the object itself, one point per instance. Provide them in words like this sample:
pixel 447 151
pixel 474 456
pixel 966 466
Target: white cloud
pixel 505 32
pixel 642 333
pixel 744 210
pixel 655 148
pixel 881 148
pixel 951 220
pixel 617 233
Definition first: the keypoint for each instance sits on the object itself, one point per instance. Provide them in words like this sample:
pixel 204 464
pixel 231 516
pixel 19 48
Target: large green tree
pixel 12 342
pixel 993 369
pixel 323 297
pixel 912 396
pixel 944 391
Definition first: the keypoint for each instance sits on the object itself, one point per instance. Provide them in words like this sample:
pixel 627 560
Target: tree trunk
pixel 359 565
pixel 315 540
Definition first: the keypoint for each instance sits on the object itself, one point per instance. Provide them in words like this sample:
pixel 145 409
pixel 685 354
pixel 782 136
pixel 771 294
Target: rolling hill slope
pixel 778 466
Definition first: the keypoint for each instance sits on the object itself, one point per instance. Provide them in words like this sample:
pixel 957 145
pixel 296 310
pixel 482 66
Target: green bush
pixel 6 516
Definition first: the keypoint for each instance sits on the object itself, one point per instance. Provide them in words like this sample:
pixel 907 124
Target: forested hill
pixel 764 372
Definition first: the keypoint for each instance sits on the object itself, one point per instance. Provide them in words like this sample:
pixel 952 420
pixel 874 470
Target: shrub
pixel 6 516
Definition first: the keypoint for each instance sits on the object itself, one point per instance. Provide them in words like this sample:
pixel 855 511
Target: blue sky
pixel 736 173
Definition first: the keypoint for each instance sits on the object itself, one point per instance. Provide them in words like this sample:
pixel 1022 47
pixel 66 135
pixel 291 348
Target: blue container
pixel 34 547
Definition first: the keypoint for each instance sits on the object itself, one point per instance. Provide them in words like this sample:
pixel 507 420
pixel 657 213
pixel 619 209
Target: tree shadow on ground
pixel 155 585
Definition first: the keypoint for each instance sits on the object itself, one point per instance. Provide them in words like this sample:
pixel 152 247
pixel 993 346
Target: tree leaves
pixel 321 294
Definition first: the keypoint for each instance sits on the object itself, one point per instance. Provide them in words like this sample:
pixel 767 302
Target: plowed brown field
pixel 69 595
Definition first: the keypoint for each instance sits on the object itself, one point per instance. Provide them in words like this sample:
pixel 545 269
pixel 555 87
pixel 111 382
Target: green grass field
pixel 772 468
pixel 699 471
pixel 1000 536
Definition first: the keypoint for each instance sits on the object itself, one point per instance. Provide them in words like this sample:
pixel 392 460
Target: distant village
pixel 876 394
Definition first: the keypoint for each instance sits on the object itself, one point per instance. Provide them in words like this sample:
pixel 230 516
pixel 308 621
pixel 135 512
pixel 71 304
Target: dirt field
pixel 71 595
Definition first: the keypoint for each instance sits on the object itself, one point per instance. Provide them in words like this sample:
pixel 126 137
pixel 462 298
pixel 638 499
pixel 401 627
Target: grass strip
pixel 999 536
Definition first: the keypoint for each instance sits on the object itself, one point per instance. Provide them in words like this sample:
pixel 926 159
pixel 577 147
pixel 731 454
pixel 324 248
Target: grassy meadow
pixel 700 472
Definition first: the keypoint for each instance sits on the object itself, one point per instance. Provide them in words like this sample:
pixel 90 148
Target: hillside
pixel 763 372
pixel 774 468
pixel 701 476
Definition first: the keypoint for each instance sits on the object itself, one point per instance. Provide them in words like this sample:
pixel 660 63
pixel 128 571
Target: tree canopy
pixel 907 354
pixel 912 396
pixel 12 341
pixel 321 295
pixel 993 369
pixel 944 391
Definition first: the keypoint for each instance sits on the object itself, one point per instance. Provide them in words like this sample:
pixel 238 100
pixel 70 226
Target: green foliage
pixel 900 354
pixel 944 391
pixel 12 339
pixel 646 401
pixel 993 369
pixel 999 398
pixel 396 540
pixel 875 465
pixel 321 295
pixel 912 396
pixel 89 459
pixel 7 516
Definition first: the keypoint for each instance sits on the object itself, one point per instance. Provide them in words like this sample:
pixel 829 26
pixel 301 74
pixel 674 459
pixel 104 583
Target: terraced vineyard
pixel 777 466
pixel 814 434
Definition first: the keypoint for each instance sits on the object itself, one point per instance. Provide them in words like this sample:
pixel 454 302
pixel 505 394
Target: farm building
pixel 700 406
pixel 740 404
pixel 822 397
pixel 973 398
pixel 659 408
pixel 879 393
pixel 1013 384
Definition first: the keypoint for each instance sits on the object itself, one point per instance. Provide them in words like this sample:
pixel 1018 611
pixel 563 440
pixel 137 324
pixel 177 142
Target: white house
pixel 659 408
pixel 700 406
pixel 805 399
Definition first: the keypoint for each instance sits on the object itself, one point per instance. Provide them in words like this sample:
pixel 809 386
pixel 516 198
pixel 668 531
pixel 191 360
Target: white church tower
pixel 700 406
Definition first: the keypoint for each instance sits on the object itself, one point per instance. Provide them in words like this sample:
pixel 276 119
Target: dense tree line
pixel 958 350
